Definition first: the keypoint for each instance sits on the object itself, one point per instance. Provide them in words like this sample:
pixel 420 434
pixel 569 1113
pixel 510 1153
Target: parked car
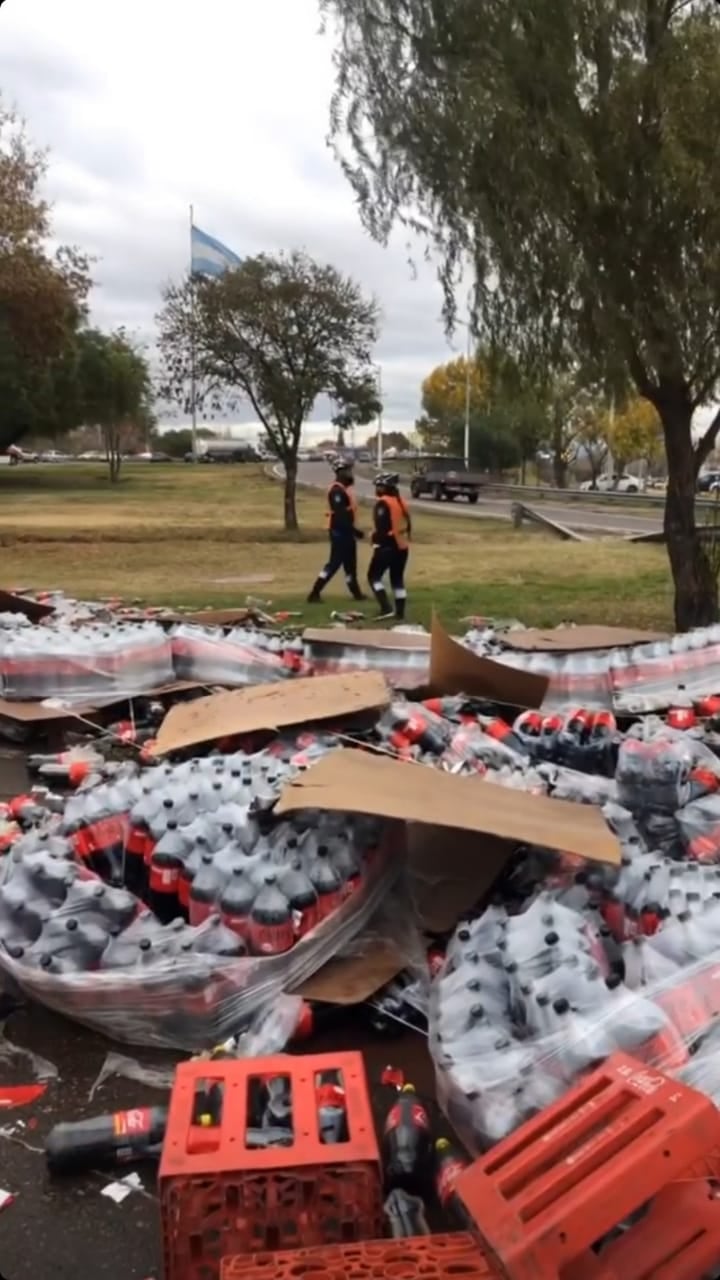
pixel 613 484
pixel 445 479
pixel 708 482
pixel 16 455
pixel 52 455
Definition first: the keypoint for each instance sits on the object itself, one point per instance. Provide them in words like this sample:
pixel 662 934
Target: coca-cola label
pixel 107 832
pixel 271 939
pixel 417 1117
pixel 164 879
pixel 238 924
pixel 447 1177
pixel 132 1124
pixel 136 841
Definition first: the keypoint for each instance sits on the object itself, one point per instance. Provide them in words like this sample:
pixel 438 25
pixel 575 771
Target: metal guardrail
pixel 546 493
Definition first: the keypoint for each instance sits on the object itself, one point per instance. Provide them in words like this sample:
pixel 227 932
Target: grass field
pixel 213 535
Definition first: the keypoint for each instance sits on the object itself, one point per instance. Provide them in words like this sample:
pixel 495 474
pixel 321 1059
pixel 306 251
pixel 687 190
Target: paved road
pixel 575 515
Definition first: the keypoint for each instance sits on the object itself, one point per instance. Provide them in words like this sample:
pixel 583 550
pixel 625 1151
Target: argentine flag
pixel 208 256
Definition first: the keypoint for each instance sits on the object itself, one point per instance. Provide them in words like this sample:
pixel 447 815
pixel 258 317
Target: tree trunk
pixel 696 588
pixel 559 470
pixel 290 506
pixel 523 469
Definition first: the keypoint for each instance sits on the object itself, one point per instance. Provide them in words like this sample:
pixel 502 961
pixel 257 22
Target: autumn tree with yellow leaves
pixel 634 433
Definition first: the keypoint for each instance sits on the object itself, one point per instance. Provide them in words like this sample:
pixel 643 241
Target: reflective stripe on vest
pixel 399 523
pixel 352 503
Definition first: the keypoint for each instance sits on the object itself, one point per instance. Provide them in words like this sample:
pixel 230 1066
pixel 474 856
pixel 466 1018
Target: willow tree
pixel 570 151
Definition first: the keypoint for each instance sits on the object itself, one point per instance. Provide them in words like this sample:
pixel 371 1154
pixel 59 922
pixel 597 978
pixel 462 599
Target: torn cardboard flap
pixel 270 706
pixel 12 603
pixel 358 781
pixel 455 669
pixel 452 667
pixel 577 639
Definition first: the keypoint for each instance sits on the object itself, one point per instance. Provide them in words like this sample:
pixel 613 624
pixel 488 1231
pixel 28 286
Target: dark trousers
pixel 343 555
pixel 390 560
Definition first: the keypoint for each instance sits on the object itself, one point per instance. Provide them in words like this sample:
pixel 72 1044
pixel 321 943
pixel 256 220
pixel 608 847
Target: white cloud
pixel 150 106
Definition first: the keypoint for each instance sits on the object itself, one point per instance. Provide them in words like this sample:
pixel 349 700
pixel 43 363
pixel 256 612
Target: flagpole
pixel 193 379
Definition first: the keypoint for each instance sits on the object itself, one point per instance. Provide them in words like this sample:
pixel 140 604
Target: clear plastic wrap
pixel 404 668
pixel 119 1065
pixel 653 676
pixel 630 681
pixel 574 678
pixel 581 740
pixel 243 656
pixel 661 769
pixel 182 998
pixel 526 1003
pixel 84 663
pixel 165 906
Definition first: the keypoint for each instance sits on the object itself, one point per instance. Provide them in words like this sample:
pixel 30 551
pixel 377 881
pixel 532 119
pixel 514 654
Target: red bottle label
pixel 136 841
pixel 447 1178
pixel 238 924
pixel 108 832
pixel 199 912
pixel 164 879
pixel 132 1124
pixel 398 1115
pixel 271 939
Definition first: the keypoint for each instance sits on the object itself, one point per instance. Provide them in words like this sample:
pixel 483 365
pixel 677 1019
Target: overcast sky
pixel 150 105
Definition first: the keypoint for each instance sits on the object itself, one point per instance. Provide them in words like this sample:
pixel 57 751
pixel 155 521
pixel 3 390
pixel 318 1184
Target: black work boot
pixel 383 603
pixel 315 596
pixel 400 608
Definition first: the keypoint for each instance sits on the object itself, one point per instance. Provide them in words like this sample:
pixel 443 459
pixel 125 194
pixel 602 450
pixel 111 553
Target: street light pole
pixel 379 419
pixel 466 450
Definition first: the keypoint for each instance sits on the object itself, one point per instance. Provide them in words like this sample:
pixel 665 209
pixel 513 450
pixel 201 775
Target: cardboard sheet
pixel 450 871
pixel 349 780
pixel 577 639
pixel 355 978
pixel 270 706
pixel 11 603
pixel 454 669
pixel 36 713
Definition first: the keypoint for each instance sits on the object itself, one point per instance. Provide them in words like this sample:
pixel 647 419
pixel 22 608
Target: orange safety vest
pixel 399 520
pixel 352 502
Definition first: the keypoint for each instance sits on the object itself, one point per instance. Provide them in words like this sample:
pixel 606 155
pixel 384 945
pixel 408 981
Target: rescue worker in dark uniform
pixel 392 530
pixel 341 519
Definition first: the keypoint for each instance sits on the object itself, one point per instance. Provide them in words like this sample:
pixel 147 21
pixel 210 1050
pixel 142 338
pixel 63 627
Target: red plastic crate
pixel 677 1239
pixel 218 1197
pixel 423 1258
pixel 565 1178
